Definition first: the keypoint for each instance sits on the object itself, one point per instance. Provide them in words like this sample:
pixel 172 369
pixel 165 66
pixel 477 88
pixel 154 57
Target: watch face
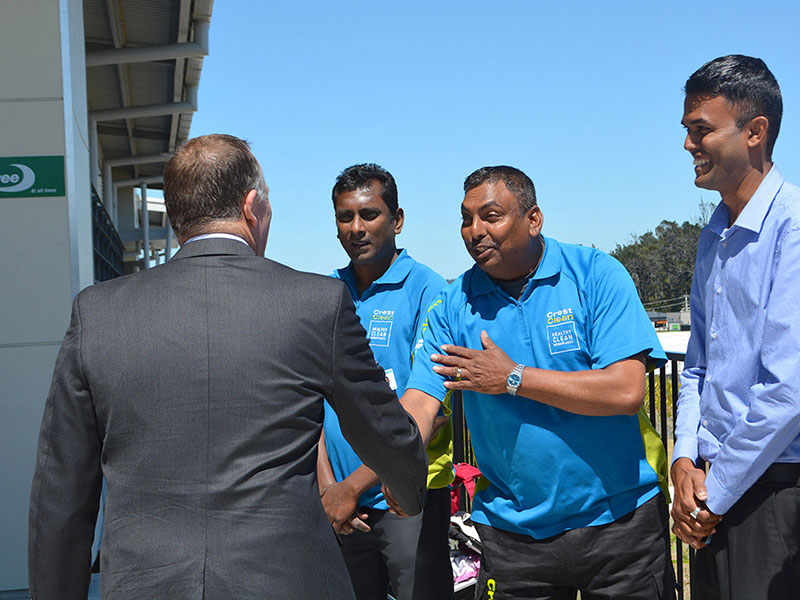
pixel 513 380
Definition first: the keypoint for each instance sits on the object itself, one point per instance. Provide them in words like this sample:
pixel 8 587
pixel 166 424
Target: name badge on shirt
pixel 390 379
pixel 562 337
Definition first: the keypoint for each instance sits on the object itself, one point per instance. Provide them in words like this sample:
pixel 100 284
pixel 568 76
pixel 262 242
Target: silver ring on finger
pixel 458 373
pixel 695 512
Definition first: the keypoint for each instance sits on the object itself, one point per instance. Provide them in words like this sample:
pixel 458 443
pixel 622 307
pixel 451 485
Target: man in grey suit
pixel 196 388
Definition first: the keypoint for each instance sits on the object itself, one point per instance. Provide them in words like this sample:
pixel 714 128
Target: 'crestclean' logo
pixel 13 182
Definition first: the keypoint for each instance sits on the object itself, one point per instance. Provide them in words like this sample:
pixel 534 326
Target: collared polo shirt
pixel 549 470
pixel 391 311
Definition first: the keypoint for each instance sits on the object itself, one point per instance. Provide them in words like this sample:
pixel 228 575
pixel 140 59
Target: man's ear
pixel 757 130
pixel 248 208
pixel 399 219
pixel 535 220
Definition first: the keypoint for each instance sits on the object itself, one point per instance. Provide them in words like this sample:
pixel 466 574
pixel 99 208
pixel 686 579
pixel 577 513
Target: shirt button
pixel 708 378
pixel 719 289
pixel 724 244
pixel 705 423
pixel 713 335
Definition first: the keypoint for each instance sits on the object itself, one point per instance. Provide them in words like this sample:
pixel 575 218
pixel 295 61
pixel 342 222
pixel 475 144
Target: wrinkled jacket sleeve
pixel 372 419
pixel 66 484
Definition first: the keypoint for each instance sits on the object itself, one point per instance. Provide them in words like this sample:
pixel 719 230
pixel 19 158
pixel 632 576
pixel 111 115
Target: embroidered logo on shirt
pixel 380 327
pixel 561 333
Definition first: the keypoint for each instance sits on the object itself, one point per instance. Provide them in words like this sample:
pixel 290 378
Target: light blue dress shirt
pixel 739 404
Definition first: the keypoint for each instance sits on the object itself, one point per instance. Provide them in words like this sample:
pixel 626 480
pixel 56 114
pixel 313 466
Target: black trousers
pixel 754 554
pixel 410 554
pixel 628 559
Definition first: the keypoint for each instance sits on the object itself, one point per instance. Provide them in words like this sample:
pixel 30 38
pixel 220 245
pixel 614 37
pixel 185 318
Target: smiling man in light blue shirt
pixel 739 405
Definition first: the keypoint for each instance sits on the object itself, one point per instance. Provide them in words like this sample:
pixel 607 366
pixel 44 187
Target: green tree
pixel 661 262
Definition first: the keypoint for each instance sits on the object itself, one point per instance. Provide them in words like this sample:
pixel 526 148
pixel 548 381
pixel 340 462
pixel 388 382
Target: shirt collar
pixel 396 273
pixel 755 211
pixel 548 267
pixel 219 235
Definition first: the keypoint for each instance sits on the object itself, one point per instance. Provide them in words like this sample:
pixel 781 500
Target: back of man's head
pixel 206 181
pixel 359 177
pixel 745 82
pixel 516 182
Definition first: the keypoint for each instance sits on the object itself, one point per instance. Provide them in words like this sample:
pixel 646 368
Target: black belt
pixel 781 473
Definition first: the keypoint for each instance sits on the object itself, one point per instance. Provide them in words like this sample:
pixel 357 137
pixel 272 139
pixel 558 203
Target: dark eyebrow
pixel 489 204
pixel 698 121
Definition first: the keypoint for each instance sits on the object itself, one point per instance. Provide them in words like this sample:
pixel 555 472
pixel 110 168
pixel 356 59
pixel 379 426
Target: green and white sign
pixel 26 176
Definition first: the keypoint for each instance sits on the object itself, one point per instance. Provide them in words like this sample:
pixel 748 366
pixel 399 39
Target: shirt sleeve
pixel 620 326
pixel 694 371
pixel 430 291
pixel 772 421
pixel 434 331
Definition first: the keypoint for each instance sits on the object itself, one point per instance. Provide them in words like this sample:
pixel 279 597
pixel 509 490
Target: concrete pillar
pixel 46 231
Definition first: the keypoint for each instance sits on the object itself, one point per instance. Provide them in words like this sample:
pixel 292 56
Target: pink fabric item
pixel 466 475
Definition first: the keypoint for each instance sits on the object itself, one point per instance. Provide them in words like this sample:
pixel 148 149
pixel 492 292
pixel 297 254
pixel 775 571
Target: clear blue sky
pixel 585 97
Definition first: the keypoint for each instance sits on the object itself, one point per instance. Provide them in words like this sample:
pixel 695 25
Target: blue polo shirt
pixel 391 311
pixel 549 470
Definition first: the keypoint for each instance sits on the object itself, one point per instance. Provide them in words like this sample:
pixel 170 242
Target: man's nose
pixel 689 144
pixel 357 225
pixel 477 229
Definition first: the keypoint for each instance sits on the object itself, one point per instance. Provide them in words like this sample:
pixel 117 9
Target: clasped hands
pixel 484 370
pixel 693 522
pixel 341 503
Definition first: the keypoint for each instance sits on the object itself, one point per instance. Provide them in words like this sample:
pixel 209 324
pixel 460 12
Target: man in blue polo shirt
pixel 391 292
pixel 549 343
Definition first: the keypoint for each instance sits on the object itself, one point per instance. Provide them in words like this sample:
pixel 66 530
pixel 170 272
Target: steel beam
pixel 133 182
pixel 120 56
pixel 148 110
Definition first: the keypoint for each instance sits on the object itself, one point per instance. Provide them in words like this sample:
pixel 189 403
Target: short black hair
pixel 516 182
pixel 359 177
pixel 745 82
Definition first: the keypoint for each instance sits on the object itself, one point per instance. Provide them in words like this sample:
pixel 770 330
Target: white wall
pixel 46 242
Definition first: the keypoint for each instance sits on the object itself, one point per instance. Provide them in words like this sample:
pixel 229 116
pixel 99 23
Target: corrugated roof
pixel 110 24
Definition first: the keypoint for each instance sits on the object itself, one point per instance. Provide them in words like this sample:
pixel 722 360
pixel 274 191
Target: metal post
pixel 108 192
pixel 114 206
pixel 93 160
pixel 168 249
pixel 145 226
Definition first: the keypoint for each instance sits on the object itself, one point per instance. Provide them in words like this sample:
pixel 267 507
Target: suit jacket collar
pixel 213 247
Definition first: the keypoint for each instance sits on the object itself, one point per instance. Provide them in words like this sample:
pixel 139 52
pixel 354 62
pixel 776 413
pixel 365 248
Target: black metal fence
pixel 661 397
pixel 107 247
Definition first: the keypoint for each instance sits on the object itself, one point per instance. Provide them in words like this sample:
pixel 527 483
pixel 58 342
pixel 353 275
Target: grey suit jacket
pixel 196 388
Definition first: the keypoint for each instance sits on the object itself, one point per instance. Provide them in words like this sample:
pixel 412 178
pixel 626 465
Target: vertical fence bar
pixel 662 397
pixel 651 380
pixel 459 440
pixel 679 567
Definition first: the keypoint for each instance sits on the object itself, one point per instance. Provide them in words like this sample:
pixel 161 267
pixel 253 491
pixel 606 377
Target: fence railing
pixel 107 247
pixel 661 397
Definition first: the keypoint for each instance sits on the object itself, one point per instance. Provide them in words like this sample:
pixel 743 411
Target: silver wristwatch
pixel 514 379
